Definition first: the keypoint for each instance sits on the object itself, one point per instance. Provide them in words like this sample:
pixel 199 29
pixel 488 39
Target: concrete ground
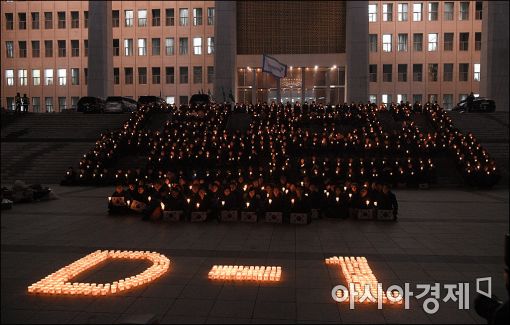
pixel 445 236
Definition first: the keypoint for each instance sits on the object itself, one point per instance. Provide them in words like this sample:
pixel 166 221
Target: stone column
pixel 494 57
pixel 356 49
pixel 226 50
pixel 100 58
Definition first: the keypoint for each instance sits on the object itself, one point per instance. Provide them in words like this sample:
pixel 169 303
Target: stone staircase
pixel 38 148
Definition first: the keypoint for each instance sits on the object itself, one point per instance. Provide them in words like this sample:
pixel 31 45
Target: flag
pixel 273 66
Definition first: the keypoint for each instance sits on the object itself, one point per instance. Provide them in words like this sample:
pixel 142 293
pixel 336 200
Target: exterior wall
pixel 357 51
pixel 135 90
pixel 410 57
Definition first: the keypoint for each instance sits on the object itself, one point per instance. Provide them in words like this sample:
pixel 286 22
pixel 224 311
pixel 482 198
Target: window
pixel 169 46
pixel 75 47
pixel 36 77
pixel 372 43
pixel 401 98
pixel 210 16
pixel 448 72
pixel 385 98
pixel 197 16
pixel 36 104
pixel 372 13
pixel 463 71
pixel 464 11
pixel 402 11
pixel 183 17
pixel 128 47
pixel 48 77
pixel 448 101
pixel 128 18
pixel 463 41
pixel 372 72
pixel 210 45
pixel 417 11
pixel 142 18
pixel 85 19
pixel 448 41
pixel 62 103
pixel 183 45
pixel 402 72
pixel 116 76
pixel 433 11
pixel 22 49
pixel 116 45
pixel 9 21
pixel 75 19
pixel 75 76
pixel 197 75
pixel 387 9
pixel 35 21
pixel 372 99
pixel 433 71
pixel 49 104
pixel 418 42
pixel 22 20
pixel 183 75
pixel 156 75
pixel 74 103
pixel 9 77
pixel 36 49
pixel 183 100
pixel 402 42
pixel 62 78
pixel 476 70
pixel 142 76
pixel 478 41
pixel 61 48
pixel 142 46
pixel 169 75
pixel 386 42
pixel 86 47
pixel 387 72
pixel 448 10
pixel 156 17
pixel 169 17
pixel 432 42
pixel 48 49
pixel 478 10
pixel 61 19
pixel 9 48
pixel 170 100
pixel 197 45
pixel 115 18
pixel 417 72
pixel 23 77
pixel 86 72
pixel 48 20
pixel 210 74
pixel 128 76
pixel 417 98
pixel 432 98
pixel 156 46
pixel 462 97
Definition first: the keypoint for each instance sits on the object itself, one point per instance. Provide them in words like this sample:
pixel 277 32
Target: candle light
pixel 247 204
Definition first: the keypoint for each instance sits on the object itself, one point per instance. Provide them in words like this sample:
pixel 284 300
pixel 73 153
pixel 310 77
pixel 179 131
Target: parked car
pixel 200 99
pixel 149 100
pixel 480 104
pixel 117 104
pixel 90 105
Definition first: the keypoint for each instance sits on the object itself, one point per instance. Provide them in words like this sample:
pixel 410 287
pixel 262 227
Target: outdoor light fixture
pixel 59 282
pixel 245 273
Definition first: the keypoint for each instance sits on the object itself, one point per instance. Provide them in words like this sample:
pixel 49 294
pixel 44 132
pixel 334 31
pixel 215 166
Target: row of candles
pixel 59 282
pixel 357 271
pixel 245 273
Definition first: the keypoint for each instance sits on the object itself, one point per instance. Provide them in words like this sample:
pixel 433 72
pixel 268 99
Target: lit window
pixel 197 45
pixel 62 77
pixel 9 76
pixel 387 42
pixel 210 45
pixel 142 18
pixel 36 77
pixel 476 70
pixel 432 42
pixel 372 12
pixel 48 77
pixel 417 11
pixel 23 77
pixel 142 46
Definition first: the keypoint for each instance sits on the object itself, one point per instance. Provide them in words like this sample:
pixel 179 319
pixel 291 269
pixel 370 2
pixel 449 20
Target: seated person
pixel 388 201
pixel 119 200
pixel 252 202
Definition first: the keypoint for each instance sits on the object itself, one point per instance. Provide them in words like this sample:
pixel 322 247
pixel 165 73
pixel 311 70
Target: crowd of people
pixel 319 145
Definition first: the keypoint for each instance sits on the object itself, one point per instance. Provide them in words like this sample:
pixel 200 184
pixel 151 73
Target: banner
pixel 273 66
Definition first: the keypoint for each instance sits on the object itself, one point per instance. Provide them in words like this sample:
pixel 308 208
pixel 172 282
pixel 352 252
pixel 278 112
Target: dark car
pixel 90 105
pixel 200 99
pixel 152 100
pixel 117 104
pixel 480 104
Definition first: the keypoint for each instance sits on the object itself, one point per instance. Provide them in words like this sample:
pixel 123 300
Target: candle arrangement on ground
pixel 245 273
pixel 357 271
pixel 59 282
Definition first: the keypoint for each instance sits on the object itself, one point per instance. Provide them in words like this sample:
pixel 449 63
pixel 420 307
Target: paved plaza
pixel 445 236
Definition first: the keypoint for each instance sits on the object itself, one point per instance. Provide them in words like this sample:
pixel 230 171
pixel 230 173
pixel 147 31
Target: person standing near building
pixel 25 102
pixel 17 101
pixel 469 101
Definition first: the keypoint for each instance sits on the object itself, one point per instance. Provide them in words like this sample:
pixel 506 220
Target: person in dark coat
pixel 389 201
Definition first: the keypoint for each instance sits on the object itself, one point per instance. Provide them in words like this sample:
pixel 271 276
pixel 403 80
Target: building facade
pixel 162 48
pixel 424 50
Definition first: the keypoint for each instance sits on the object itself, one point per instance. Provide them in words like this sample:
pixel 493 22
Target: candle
pixel 270 201
pixel 247 204
pixel 292 201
